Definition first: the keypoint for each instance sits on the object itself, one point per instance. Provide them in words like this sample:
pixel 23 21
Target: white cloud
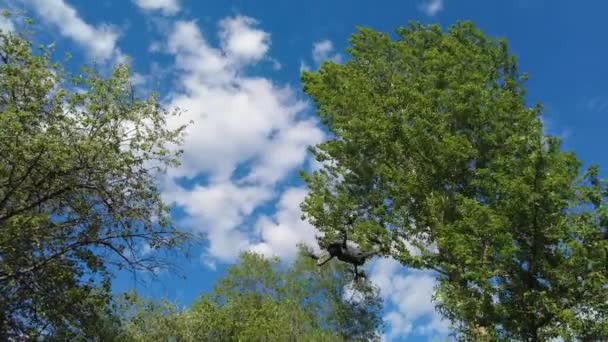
pixel 285 151
pixel 138 79
pixel 399 325
pixel 6 25
pixel 410 297
pixel 168 7
pixel 218 210
pixel 304 67
pixel 155 47
pixel 100 42
pixel 242 123
pixel 382 273
pixel 209 262
pixel 352 294
pixel 323 50
pixel 431 7
pixel 412 294
pixel 276 65
pixel 280 233
pixel 242 41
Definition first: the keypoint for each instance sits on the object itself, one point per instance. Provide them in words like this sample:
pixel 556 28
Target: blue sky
pixel 234 66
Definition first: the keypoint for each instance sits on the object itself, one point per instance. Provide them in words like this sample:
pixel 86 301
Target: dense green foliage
pixel 438 156
pixel 78 164
pixel 259 300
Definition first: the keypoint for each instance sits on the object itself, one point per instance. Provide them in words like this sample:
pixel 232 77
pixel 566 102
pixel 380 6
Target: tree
pixel 78 197
pixel 438 157
pixel 261 300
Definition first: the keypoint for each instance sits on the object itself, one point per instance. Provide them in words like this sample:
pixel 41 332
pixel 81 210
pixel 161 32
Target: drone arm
pixel 321 263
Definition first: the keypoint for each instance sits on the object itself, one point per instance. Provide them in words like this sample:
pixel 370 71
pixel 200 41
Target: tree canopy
pixel 437 155
pixel 78 190
pixel 261 300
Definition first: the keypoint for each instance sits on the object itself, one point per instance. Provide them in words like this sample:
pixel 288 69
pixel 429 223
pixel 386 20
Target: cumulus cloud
pixel 168 7
pixel 431 7
pixel 242 41
pixel 6 25
pixel 248 136
pixel 99 42
pixel 237 119
pixel 285 226
pixel 324 50
pixel 409 295
pixel 304 67
pixel 218 210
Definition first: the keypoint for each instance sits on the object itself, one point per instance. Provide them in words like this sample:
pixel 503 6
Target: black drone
pixel 345 251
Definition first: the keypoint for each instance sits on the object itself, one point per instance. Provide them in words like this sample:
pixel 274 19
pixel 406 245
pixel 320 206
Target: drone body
pixel 346 252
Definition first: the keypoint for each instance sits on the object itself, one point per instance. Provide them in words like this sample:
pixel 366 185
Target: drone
pixel 345 251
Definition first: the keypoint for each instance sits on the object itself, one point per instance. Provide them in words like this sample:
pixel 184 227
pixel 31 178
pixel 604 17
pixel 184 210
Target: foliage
pixel 439 158
pixel 78 196
pixel 259 300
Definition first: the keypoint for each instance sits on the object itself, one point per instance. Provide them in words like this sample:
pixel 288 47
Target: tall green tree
pixel 440 160
pixel 261 300
pixel 79 156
